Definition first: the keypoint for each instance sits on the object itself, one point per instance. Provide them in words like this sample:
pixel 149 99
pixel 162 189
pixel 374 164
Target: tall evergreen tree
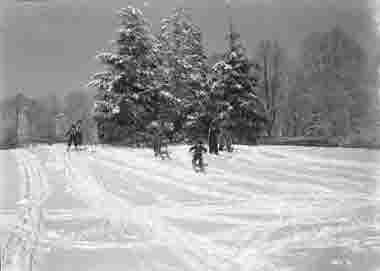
pixel 183 54
pixel 130 90
pixel 233 87
pixel 184 62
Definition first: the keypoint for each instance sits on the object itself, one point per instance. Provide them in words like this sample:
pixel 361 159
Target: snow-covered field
pixel 259 208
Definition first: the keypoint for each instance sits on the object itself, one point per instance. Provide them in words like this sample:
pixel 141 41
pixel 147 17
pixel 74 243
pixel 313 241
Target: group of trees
pixel 166 78
pixel 37 117
pixel 19 110
pixel 331 91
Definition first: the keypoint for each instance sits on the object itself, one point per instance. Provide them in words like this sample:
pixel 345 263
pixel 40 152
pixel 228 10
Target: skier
pixel 71 134
pixel 229 141
pixel 213 138
pixel 164 150
pixel 78 134
pixel 222 140
pixel 92 137
pixel 198 149
pixel 225 140
pixel 157 143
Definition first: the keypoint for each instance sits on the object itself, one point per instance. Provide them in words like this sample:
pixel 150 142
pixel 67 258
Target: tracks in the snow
pixel 24 243
pixel 196 252
pixel 254 217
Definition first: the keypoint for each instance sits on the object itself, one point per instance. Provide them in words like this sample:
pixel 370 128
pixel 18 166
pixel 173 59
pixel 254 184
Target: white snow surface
pixel 258 208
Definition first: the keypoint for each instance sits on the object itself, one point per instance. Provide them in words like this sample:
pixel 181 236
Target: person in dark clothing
pixel 78 134
pixel 71 134
pixel 225 140
pixel 229 142
pixel 213 138
pixel 198 149
pixel 221 141
pixel 157 143
pixel 164 150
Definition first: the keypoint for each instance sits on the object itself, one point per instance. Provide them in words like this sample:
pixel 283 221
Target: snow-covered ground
pixel 259 208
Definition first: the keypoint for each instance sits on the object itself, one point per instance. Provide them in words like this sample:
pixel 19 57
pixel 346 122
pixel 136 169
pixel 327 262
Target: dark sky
pixel 49 46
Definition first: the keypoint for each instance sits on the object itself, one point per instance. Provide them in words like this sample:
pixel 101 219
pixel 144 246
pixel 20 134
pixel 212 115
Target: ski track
pixel 146 219
pixel 261 205
pixel 27 230
pixel 177 178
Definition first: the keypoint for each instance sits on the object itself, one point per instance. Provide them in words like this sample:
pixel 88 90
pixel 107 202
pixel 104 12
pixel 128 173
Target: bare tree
pixel 337 75
pixel 53 106
pixel 271 58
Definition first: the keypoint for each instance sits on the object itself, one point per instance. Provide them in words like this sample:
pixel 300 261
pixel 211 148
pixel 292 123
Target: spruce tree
pixel 130 89
pixel 184 62
pixel 233 101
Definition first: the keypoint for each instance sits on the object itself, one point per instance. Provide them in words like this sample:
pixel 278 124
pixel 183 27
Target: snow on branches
pixel 128 88
pixel 166 77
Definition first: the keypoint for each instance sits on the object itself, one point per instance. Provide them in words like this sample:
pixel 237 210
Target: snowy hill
pixel 259 208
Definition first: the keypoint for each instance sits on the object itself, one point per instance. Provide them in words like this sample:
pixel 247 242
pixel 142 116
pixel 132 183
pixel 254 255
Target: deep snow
pixel 259 208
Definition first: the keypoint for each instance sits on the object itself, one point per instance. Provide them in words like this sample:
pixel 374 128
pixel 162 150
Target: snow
pixel 259 208
pixel 170 96
pixel 116 110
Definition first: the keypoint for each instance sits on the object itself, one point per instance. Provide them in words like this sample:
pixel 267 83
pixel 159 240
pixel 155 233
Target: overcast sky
pixel 49 46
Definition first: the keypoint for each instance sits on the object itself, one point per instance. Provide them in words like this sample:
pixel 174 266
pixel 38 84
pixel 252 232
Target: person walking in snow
pixel 213 138
pixel 71 134
pixel 157 142
pixel 164 149
pixel 91 134
pixel 198 149
pixel 229 141
pixel 78 134
pixel 225 140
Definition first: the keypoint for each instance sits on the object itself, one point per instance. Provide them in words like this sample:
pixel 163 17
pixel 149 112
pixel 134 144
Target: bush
pixel 365 138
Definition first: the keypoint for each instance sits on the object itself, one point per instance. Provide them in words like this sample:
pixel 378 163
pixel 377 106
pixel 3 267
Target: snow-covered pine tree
pixel 184 62
pixel 130 89
pixel 233 87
